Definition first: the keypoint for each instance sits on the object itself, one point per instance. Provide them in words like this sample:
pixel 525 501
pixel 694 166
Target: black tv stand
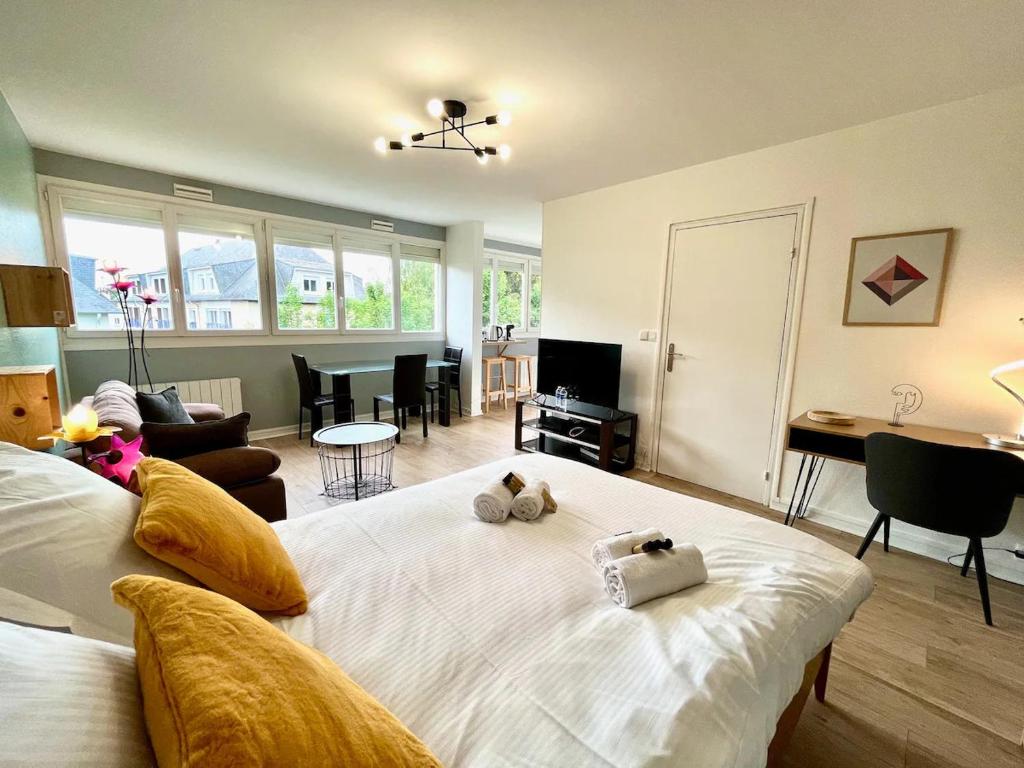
pixel 592 434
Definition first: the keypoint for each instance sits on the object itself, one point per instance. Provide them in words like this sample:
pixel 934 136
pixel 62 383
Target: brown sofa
pixel 246 472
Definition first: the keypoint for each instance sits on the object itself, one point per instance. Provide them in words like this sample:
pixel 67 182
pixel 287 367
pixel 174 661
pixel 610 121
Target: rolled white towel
pixel 534 500
pixel 636 579
pixel 493 503
pixel 614 547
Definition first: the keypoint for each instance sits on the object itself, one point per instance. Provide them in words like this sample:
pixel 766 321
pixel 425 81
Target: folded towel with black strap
pixel 494 503
pixel 534 500
pixel 635 579
pixel 621 545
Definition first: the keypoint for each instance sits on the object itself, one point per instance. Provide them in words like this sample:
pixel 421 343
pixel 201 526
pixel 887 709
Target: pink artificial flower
pixel 111 267
pixel 119 462
pixel 123 285
pixel 149 297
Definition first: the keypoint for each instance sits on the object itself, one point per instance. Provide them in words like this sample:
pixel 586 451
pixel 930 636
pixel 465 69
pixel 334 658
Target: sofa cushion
pixel 162 407
pixel 228 467
pixel 204 411
pixel 175 441
pixel 222 687
pixel 114 403
pixel 192 524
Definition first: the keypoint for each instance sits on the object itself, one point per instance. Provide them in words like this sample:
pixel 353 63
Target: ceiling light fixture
pixel 452 115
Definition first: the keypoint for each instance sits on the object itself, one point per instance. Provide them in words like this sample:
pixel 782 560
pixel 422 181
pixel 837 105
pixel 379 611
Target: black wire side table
pixel 356 459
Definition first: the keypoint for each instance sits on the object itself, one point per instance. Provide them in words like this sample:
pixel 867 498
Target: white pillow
pixel 65 536
pixel 69 701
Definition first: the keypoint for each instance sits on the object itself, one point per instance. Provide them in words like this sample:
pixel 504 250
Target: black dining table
pixel 341 382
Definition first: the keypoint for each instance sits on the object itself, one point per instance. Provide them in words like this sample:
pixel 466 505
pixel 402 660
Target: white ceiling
pixel 287 97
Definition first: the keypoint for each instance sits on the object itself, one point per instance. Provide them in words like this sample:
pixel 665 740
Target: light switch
pixel 652 335
pixel 642 335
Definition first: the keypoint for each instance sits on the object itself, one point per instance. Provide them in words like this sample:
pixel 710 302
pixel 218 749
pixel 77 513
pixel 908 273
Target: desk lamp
pixel 1008 441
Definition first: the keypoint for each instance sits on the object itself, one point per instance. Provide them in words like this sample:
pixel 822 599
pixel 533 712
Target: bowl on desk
pixel 831 417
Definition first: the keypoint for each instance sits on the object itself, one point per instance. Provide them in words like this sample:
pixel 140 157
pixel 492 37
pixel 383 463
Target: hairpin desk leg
pixel 810 481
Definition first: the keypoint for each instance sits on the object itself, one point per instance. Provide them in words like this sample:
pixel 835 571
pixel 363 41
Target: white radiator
pixel 227 393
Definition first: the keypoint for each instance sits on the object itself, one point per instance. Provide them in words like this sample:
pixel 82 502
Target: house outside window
pixel 218 319
pixel 160 285
pixel 202 281
pixel 310 285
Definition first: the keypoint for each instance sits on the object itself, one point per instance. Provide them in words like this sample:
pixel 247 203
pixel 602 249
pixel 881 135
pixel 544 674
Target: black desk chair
pixel 451 355
pixel 408 390
pixel 959 491
pixel 310 398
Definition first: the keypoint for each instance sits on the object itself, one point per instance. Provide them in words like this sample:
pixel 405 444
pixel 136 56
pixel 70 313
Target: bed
pixel 497 645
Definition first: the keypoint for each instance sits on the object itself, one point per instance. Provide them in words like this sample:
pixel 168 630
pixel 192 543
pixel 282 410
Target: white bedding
pixel 497 646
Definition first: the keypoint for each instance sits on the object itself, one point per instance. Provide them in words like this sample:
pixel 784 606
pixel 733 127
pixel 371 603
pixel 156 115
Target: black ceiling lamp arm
pixel 453 110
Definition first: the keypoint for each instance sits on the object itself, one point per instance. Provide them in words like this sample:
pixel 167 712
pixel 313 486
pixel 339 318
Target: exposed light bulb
pixel 481 157
pixel 504 151
pixel 381 145
pixel 504 117
pixel 435 107
pixel 406 140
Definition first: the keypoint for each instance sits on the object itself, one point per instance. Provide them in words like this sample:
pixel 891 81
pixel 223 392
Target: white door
pixel 728 294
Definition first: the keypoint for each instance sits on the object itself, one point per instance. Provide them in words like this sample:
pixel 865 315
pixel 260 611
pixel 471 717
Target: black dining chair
pixel 310 398
pixel 408 390
pixel 451 355
pixel 954 490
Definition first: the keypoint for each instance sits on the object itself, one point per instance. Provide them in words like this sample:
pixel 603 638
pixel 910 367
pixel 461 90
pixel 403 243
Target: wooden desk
pixel 818 442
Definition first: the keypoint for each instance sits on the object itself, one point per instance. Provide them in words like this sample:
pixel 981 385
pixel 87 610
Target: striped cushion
pixel 69 700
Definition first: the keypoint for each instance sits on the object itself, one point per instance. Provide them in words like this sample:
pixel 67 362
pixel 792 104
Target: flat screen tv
pixel 589 370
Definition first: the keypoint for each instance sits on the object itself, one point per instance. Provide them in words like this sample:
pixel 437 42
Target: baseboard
pixel 911 539
pixel 293 429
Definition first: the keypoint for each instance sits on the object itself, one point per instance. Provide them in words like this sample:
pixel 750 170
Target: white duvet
pixel 497 646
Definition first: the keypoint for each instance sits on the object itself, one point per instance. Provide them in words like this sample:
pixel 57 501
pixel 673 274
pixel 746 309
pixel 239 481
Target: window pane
pixel 534 297
pixel 485 295
pixel 219 274
pixel 510 294
pixel 304 274
pixel 419 295
pixel 101 235
pixel 368 281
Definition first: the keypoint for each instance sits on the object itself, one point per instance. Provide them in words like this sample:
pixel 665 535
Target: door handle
pixel 671 355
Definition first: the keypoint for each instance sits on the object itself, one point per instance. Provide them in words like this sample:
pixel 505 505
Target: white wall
pixel 958 165
pixel 464 267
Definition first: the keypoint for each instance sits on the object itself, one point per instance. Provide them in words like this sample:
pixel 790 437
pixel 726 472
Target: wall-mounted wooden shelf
pixel 36 297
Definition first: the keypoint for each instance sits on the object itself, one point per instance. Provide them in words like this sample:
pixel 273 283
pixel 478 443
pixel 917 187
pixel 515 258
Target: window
pixel 534 319
pixel 218 263
pixel 219 319
pixel 368 289
pixel 192 268
pixel 303 262
pixel 509 294
pixel 101 235
pixel 486 288
pixel 202 280
pixel 419 289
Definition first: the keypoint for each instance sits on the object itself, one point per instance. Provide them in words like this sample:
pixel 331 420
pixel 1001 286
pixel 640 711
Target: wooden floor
pixel 917 679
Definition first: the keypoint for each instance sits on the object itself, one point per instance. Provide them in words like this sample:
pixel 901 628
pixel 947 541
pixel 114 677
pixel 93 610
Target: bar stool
pixel 517 385
pixel 489 364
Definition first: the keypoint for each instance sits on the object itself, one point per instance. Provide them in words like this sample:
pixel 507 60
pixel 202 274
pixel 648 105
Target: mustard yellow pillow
pixel 195 526
pixel 223 687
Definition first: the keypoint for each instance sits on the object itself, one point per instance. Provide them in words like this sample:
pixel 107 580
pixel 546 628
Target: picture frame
pixel 897 279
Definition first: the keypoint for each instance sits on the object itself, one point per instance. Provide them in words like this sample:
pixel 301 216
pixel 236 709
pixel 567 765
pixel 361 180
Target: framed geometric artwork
pixel 897 279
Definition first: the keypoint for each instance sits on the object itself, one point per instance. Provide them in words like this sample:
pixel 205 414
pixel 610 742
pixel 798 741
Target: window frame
pixel 439 304
pixel 492 258
pixel 51 189
pixel 176 213
pixel 272 278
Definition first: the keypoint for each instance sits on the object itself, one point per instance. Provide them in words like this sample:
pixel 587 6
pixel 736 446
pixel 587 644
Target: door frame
pixel 790 332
